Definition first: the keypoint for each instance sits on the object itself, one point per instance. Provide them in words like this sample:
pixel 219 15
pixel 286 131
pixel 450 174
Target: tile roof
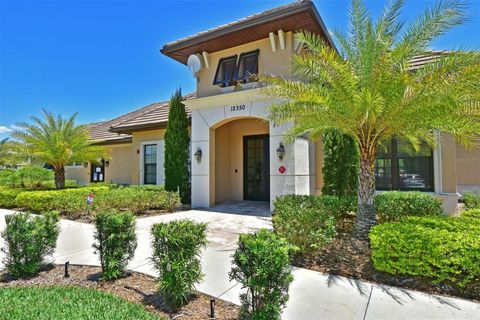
pixel 151 116
pixel 119 129
pixel 419 61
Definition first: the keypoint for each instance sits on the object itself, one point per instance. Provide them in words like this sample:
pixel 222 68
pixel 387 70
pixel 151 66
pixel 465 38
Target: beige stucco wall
pixel 269 62
pixel 120 164
pixel 78 173
pixel 449 170
pixel 468 168
pixel 229 156
pixel 137 139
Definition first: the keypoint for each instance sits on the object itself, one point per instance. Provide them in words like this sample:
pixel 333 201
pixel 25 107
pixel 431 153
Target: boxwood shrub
pixel 74 201
pixel 471 200
pixel 29 239
pixel 115 242
pixel 8 197
pixel 176 256
pixel 309 222
pixel 395 205
pixel 442 248
pixel 261 264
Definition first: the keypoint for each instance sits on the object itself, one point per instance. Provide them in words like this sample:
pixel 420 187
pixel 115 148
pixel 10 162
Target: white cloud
pixel 4 129
pixel 14 127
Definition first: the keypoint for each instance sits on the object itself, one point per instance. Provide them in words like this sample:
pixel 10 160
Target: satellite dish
pixel 194 64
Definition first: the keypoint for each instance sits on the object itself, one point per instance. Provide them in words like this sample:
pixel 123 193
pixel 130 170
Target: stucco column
pixel 201 180
pixel 298 176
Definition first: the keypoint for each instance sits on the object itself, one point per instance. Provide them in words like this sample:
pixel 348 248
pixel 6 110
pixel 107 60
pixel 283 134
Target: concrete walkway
pixel 313 295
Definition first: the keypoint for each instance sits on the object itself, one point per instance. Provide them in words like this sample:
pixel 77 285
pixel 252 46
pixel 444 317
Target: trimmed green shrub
pixel 29 239
pixel 115 242
pixel 442 248
pixel 8 197
pixel 395 205
pixel 176 256
pixel 474 213
pixel 262 265
pixel 66 201
pixel 74 201
pixel 471 200
pixel 340 164
pixel 309 222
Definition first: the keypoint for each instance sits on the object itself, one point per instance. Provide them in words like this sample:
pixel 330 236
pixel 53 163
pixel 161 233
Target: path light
pixel 198 155
pixel 66 275
pixel 280 151
pixel 212 308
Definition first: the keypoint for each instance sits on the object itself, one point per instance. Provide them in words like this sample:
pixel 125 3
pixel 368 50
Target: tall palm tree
pixel 370 92
pixel 56 141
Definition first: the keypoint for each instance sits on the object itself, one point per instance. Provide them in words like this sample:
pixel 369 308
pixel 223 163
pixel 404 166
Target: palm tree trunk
pixel 60 178
pixel 366 188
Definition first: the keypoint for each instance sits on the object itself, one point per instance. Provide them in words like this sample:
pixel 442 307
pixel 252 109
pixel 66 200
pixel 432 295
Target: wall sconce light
pixel 198 155
pixel 107 163
pixel 85 164
pixel 280 151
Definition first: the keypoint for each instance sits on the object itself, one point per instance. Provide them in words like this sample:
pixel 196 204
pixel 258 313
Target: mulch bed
pixel 135 287
pixel 350 257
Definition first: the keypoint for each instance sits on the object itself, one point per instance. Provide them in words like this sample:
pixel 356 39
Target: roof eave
pixel 170 48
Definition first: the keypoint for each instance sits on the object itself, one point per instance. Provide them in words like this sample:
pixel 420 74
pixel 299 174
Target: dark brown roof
pixel 295 16
pixel 149 117
pixel 118 130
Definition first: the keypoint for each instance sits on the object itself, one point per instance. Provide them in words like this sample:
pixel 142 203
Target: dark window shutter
pixel 225 73
pixel 247 66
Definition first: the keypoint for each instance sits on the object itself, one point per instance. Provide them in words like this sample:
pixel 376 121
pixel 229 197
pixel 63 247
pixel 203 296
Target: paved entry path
pixel 313 295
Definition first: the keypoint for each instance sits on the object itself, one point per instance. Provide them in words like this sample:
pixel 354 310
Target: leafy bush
pixel 115 241
pixel 395 205
pixel 262 265
pixel 471 200
pixel 442 248
pixel 50 185
pixel 8 197
pixel 29 177
pixel 28 240
pixel 474 213
pixel 309 222
pixel 176 256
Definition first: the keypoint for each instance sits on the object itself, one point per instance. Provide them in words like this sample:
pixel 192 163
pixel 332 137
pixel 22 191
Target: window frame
pixel 394 158
pixel 245 77
pixel 226 83
pixel 145 164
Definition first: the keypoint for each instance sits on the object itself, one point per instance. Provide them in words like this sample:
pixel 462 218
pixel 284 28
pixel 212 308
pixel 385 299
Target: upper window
pixel 400 167
pixel 247 66
pixel 225 71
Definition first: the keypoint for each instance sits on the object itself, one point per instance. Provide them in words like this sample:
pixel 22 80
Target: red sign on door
pixel 282 169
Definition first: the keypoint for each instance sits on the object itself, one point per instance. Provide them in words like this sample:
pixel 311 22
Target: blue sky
pixel 101 58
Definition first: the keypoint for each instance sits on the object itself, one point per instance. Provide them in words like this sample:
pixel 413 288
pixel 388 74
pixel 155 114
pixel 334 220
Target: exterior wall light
pixel 280 151
pixel 107 163
pixel 85 164
pixel 198 155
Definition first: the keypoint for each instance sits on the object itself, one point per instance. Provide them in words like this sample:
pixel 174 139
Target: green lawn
pixel 66 303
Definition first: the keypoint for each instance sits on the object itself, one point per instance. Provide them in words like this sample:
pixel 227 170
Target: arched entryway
pixel 241 160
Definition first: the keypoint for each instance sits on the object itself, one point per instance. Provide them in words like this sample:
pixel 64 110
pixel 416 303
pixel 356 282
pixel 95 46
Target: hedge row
pixel 471 200
pixel 72 201
pixel 442 248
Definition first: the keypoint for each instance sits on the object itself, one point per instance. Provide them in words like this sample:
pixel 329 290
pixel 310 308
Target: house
pixel 238 154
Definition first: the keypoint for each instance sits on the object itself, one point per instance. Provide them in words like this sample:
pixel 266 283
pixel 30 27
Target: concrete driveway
pixel 313 295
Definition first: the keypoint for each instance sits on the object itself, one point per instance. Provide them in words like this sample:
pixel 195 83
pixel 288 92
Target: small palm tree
pixel 371 92
pixel 4 151
pixel 57 142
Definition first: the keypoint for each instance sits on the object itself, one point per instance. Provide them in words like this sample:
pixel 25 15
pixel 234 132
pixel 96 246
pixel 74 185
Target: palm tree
pixel 370 92
pixel 57 142
pixel 4 151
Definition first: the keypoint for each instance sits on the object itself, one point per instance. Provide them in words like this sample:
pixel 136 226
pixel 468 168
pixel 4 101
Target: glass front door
pixel 256 168
pixel 97 172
